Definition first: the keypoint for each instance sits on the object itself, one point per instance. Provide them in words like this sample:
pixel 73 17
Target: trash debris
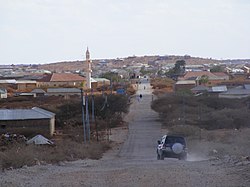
pixel 39 140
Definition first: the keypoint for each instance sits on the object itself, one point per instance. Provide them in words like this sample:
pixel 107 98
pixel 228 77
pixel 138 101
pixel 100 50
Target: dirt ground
pixel 213 160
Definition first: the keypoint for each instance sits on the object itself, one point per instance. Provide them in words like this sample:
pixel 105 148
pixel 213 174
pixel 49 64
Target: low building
pixel 21 121
pixel 184 85
pixel 65 92
pixel 61 80
pixel 38 92
pixel 218 89
pixel 102 82
pixel 25 85
pixel 200 89
pixel 212 78
pixel 237 92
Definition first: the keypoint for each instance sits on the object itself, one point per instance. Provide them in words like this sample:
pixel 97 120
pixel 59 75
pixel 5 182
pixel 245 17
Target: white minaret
pixel 88 71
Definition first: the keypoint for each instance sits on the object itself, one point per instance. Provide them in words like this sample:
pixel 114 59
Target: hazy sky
pixel 44 31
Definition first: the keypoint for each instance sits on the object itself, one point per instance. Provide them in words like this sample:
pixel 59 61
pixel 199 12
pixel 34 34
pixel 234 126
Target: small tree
pixel 204 79
pixel 178 69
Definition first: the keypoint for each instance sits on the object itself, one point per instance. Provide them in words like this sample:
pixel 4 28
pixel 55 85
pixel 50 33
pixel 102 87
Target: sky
pixel 47 31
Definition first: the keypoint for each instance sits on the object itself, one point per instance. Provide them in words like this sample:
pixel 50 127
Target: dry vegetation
pixel 79 65
pixel 214 127
pixel 70 144
pixel 162 85
pixel 18 155
pixel 203 112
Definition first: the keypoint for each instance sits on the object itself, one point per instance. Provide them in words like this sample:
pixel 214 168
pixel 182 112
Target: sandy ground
pixel 133 163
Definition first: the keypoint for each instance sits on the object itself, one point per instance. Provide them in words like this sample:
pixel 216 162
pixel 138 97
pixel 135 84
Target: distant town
pixel 40 79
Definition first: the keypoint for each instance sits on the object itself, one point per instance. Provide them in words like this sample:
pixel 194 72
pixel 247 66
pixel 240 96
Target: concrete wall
pixel 3 96
pixel 40 126
pixel 60 84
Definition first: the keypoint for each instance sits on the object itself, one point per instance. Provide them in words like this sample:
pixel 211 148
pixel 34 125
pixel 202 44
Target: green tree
pixel 179 67
pixel 204 79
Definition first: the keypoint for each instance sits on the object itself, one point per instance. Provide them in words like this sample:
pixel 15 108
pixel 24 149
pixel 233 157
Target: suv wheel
pixel 158 156
pixel 161 156
pixel 183 157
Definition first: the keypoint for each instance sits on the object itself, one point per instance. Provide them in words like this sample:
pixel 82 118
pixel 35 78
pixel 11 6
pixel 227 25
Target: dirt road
pixel 132 164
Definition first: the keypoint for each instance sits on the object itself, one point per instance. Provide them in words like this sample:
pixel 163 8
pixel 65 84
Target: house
pixel 237 92
pixel 38 92
pixel 123 73
pixel 3 93
pixel 61 80
pixel 21 121
pixel 246 69
pixel 213 78
pixel 217 89
pixel 102 82
pixel 66 92
pixel 25 85
pixel 200 89
pixel 184 85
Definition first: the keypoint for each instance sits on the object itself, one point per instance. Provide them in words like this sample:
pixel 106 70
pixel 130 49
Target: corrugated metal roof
pixel 42 111
pixel 238 91
pixel 25 82
pixel 185 82
pixel 92 80
pixel 101 79
pixel 219 88
pixel 200 88
pixel 8 81
pixel 63 90
pixel 25 114
pixel 247 86
pixel 37 90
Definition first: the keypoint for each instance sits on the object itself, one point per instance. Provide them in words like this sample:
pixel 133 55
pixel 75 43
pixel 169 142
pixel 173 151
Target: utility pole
pixel 93 106
pixel 83 120
pixel 87 117
pixel 103 82
pixel 183 105
pixel 111 86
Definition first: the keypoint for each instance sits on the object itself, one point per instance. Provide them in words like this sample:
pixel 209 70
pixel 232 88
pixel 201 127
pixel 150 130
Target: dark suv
pixel 172 146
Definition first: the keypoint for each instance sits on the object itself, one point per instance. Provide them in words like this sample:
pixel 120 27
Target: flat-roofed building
pixel 31 121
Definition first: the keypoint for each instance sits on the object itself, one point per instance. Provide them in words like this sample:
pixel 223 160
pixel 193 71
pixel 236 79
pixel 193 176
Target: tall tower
pixel 89 70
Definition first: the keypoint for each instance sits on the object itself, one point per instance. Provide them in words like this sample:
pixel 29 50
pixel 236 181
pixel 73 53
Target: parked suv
pixel 172 146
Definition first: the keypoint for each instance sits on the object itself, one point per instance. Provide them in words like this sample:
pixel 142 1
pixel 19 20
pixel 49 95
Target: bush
pixel 19 155
pixel 162 83
pixel 185 130
pixel 204 112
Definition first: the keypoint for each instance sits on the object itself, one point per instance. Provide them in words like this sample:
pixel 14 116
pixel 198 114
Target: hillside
pixel 163 60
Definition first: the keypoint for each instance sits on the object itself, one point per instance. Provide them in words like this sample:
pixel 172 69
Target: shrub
pixel 19 155
pixel 185 130
pixel 204 112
